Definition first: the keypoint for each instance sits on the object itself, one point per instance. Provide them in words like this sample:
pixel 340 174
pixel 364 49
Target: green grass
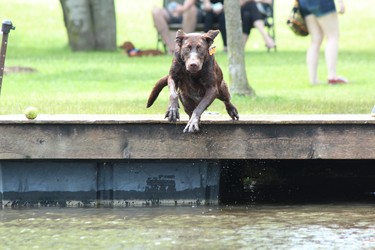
pixel 112 83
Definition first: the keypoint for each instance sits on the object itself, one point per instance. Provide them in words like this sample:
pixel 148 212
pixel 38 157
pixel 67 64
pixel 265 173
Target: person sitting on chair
pixel 186 13
pixel 252 17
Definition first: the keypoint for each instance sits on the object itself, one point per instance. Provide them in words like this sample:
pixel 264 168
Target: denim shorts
pixel 317 7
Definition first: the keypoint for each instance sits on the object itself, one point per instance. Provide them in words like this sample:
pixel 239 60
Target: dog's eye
pixel 186 50
pixel 200 49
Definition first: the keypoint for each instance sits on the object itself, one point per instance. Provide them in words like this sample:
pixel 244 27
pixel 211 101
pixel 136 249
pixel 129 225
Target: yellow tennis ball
pixel 31 113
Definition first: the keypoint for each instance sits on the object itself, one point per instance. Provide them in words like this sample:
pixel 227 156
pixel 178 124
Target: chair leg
pixel 158 41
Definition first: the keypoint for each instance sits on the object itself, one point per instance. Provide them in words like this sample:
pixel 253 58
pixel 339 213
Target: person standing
pixel 322 21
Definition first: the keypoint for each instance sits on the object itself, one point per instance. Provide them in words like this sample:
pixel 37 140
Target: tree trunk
pixel 91 24
pixel 104 23
pixel 236 56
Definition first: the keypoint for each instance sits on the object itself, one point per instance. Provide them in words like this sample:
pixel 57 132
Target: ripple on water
pixel 264 227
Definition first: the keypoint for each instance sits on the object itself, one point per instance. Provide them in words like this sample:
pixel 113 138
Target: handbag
pixel 296 22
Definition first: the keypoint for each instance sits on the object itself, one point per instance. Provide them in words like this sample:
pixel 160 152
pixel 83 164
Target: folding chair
pixel 266 9
pixel 176 26
pixel 269 19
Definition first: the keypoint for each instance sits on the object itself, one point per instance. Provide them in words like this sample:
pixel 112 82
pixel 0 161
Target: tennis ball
pixel 31 113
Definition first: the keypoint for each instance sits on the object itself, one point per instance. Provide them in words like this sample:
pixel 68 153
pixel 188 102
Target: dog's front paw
pixel 192 126
pixel 172 114
pixel 232 112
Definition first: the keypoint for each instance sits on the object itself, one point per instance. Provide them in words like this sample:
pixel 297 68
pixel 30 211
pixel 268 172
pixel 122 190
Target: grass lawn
pixel 111 83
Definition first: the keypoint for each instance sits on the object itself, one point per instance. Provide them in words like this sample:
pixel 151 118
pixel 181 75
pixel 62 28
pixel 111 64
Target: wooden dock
pixel 151 137
pixel 125 160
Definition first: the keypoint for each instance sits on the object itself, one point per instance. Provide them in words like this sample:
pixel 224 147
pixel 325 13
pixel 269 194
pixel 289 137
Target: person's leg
pixel 259 24
pixel 246 23
pixel 161 17
pixel 312 57
pixel 189 19
pixel 208 21
pixel 223 31
pixel 254 18
pixel 330 27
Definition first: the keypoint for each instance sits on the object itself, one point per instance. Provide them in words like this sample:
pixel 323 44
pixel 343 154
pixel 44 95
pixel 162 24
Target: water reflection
pixel 350 226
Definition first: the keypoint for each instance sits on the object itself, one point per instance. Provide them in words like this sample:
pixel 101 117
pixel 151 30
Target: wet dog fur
pixel 195 78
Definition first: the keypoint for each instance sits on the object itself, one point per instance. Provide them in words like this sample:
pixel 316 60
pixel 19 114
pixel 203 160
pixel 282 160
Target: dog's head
pixel 127 46
pixel 193 48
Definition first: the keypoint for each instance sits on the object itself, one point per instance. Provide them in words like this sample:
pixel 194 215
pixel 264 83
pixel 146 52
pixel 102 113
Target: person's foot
pixel 270 43
pixel 338 80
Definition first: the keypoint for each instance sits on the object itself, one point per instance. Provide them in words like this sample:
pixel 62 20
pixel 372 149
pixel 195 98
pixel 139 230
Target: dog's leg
pixel 172 112
pixel 224 96
pixel 232 111
pixel 193 124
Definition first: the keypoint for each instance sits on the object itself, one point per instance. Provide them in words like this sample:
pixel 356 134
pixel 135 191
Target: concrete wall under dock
pixel 117 183
pixel 126 160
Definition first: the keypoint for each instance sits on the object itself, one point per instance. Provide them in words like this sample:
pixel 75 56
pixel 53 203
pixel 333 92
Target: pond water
pixel 340 226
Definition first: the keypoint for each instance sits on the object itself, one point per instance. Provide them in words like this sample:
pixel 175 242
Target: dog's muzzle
pixel 193 63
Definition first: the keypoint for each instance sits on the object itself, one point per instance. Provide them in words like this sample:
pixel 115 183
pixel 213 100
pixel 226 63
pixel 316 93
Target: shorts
pixel 317 8
pixel 249 14
pixel 174 19
pixel 178 19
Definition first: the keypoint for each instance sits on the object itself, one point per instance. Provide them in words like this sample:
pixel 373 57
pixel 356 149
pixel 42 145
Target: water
pixel 344 226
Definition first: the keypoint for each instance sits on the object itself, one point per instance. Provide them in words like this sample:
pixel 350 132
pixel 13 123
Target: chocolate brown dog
pixel 195 78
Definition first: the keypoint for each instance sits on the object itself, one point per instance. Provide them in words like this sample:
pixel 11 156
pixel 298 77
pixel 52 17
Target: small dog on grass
pixel 195 78
pixel 129 49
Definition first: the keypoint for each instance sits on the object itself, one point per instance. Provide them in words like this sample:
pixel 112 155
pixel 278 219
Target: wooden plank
pixel 123 137
pixel 206 118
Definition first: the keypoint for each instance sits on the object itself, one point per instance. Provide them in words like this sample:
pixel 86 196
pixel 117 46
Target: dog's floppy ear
pixel 180 35
pixel 210 36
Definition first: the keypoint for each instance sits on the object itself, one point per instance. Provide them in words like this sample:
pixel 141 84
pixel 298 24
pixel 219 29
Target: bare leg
pixel 330 27
pixel 189 19
pixel 312 57
pixel 160 17
pixel 259 24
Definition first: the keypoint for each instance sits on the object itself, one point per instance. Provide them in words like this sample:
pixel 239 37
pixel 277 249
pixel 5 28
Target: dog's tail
pixel 156 90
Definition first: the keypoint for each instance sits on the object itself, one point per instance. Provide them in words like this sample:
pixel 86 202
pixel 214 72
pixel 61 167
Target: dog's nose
pixel 193 65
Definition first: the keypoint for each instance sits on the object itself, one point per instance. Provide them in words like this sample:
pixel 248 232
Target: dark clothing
pixel 178 19
pixel 249 14
pixel 316 7
pixel 174 19
pixel 211 18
